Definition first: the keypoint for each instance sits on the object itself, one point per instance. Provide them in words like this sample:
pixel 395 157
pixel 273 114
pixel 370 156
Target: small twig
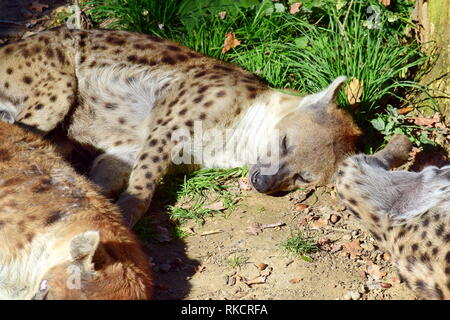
pixel 207 233
pixel 272 225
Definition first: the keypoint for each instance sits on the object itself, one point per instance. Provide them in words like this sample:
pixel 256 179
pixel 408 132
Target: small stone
pixel 300 207
pixel 334 218
pixel 355 295
pixel 352 295
pixel 386 285
pixel 232 281
pixel 386 256
pixel 262 266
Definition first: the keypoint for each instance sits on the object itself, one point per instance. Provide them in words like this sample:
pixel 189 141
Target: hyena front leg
pixel 48 102
pixel 152 163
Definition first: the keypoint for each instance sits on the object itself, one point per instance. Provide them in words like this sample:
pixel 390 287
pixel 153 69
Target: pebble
pixel 262 266
pixel 232 281
pixel 386 285
pixel 386 256
pixel 352 295
pixel 334 218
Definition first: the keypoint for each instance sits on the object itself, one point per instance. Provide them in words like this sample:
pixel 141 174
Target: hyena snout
pixel 269 180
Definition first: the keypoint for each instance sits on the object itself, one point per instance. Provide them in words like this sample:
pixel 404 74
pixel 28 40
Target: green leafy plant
pixel 392 122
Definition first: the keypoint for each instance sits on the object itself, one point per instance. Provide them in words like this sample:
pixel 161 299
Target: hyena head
pixel 90 273
pixel 313 137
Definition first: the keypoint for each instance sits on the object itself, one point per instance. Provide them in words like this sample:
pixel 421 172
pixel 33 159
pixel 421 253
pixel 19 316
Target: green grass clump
pixel 300 246
pixel 237 261
pixel 199 188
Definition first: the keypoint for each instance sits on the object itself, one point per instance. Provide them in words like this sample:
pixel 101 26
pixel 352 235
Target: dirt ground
pixel 198 266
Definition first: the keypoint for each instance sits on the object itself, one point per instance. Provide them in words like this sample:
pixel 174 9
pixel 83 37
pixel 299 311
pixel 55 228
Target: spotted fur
pixel 408 213
pixel 130 95
pixel 59 238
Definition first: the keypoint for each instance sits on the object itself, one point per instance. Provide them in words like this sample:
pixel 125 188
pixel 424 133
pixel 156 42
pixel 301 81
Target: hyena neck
pixel 252 132
pixel 21 275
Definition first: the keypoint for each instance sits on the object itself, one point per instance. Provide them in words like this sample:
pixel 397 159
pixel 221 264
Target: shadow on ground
pixel 16 14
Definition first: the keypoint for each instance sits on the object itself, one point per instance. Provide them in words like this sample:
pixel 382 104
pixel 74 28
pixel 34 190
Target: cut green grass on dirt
pixel 201 193
pixel 237 261
pixel 300 246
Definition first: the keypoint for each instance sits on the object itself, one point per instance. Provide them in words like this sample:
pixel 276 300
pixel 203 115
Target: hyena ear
pixel 320 101
pixel 86 249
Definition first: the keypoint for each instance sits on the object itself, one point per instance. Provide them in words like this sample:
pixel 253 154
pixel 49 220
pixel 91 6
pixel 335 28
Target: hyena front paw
pixel 132 208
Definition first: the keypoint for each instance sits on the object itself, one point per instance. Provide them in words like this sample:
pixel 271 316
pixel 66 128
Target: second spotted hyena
pixel 130 95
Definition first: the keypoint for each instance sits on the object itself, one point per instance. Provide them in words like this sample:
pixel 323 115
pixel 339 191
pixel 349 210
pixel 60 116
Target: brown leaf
pixel 300 207
pixel 199 269
pixel 37 6
pixel 353 91
pixel 353 249
pixel 295 280
pixel 295 7
pixel 385 3
pixel 230 42
pixel 405 110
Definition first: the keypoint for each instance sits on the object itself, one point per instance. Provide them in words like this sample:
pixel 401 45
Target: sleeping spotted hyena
pixel 147 102
pixel 407 212
pixel 59 238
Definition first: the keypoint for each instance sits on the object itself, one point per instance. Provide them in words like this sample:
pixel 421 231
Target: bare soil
pixel 198 266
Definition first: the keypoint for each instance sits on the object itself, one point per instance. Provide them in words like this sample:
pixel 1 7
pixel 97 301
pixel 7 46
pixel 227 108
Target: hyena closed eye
pixel 59 238
pixel 132 96
pixel 407 212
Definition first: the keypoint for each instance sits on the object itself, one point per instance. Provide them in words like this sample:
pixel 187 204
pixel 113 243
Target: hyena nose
pixel 259 182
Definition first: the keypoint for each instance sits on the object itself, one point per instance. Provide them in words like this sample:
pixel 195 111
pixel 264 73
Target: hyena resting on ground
pixel 131 95
pixel 407 212
pixel 59 238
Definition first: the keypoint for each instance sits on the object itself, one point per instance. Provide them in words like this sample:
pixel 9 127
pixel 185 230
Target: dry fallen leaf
pixel 374 271
pixel 219 206
pixel 222 14
pixel 353 248
pixel 295 280
pixel 405 110
pixel 300 207
pixel 295 7
pixel 353 91
pixel 254 229
pixel 319 223
pixel 37 6
pixel 385 3
pixel 244 185
pixel 230 42
pixel 428 122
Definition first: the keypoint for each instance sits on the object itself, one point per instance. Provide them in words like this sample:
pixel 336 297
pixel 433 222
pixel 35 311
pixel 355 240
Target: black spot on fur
pixel 53 217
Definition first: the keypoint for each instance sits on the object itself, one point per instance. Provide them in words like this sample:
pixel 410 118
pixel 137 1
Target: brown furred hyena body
pixel 142 101
pixel 59 238
pixel 408 213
